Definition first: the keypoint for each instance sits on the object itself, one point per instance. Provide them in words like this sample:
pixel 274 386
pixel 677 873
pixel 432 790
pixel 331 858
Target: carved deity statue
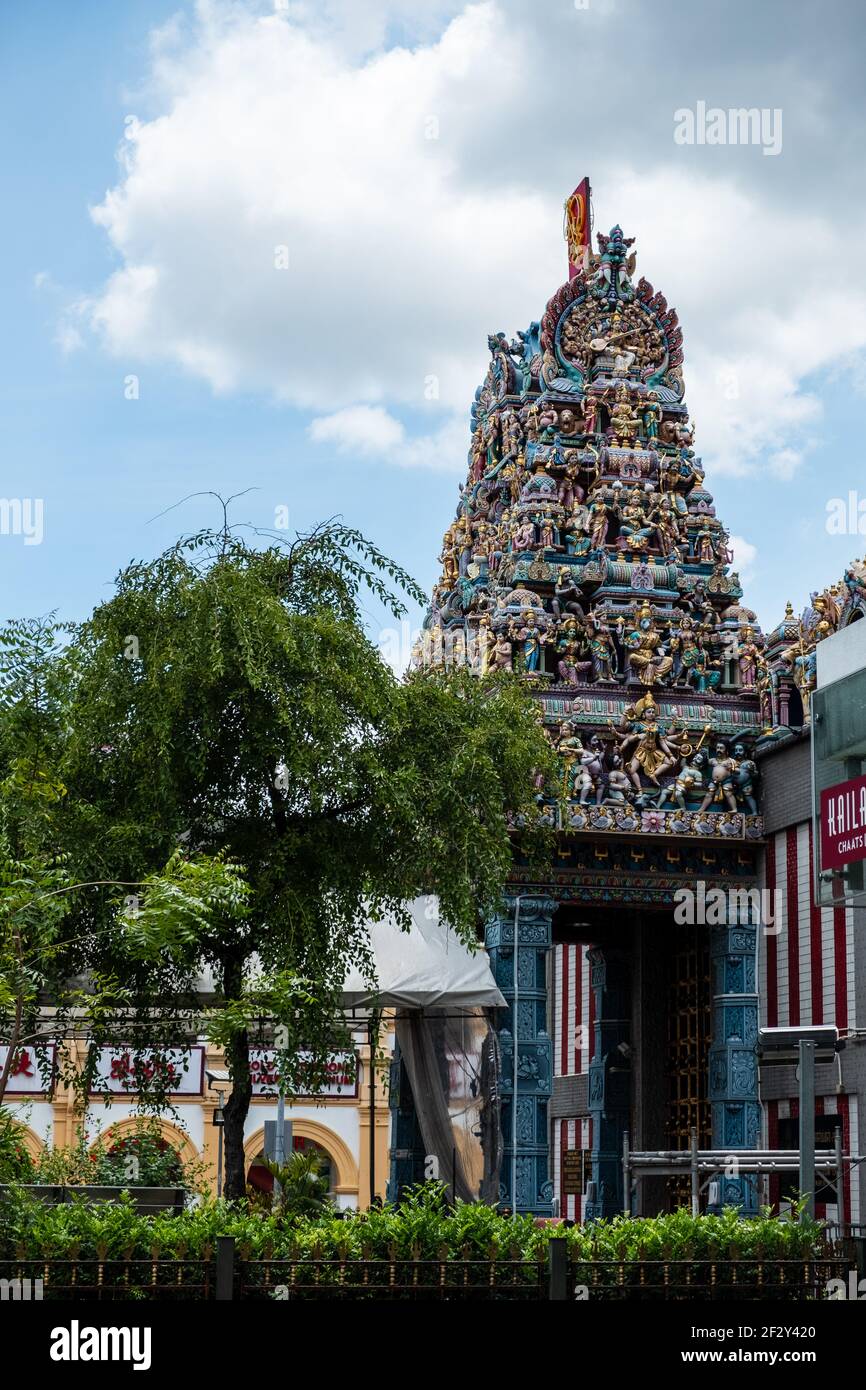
pixel 623 417
pixel 647 658
pixel 651 752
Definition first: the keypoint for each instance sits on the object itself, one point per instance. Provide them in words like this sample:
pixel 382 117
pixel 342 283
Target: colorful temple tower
pixel 587 556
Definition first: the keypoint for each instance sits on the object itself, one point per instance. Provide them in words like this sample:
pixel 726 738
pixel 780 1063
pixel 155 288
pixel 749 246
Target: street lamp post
pixel 213 1080
pixel 219 1120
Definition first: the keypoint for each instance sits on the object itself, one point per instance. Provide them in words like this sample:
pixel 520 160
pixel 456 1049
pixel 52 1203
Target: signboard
pixel 576 1166
pixel 842 821
pixel 839 787
pixel 121 1071
pixel 342 1070
pixel 25 1075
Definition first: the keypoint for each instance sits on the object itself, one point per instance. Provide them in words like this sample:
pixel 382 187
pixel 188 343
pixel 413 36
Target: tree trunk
pixel 238 1104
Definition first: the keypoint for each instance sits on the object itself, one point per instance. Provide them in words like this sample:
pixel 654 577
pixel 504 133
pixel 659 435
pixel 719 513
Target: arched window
pixel 147 1160
pixel 261 1180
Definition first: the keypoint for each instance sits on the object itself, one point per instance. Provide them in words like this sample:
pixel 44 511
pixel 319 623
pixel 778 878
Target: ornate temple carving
pixel 785 672
pixel 586 555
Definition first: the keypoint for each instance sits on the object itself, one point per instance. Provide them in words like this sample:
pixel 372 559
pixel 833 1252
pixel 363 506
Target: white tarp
pixel 426 967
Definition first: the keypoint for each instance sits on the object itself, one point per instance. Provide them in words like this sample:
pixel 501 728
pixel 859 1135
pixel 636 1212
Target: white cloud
pixel 418 192
pixel 785 462
pixel 745 556
pixel 371 431
pixel 68 338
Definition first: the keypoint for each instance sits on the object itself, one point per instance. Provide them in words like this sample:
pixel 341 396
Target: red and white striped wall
pixel 573 1021
pixel 806 956
pixel 806 976
pixel 569 1134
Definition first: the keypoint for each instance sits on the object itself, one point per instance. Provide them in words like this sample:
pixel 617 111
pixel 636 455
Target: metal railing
pixel 106 1281
pixel 306 1277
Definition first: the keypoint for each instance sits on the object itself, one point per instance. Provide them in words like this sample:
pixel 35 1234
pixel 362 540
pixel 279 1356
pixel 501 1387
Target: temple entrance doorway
pixel 655 1082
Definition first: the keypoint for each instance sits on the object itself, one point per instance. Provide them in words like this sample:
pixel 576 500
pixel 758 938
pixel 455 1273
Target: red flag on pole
pixel 577 227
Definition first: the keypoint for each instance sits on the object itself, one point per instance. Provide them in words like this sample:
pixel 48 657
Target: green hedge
pixel 422 1227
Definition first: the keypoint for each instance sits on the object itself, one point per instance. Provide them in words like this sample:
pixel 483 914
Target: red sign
pixel 25 1074
pixel 577 227
pixel 843 823
pixel 341 1075
pixel 123 1073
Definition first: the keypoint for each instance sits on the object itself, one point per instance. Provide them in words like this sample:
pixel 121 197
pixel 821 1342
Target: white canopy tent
pixel 424 968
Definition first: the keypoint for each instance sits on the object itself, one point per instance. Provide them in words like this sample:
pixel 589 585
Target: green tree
pixel 51 981
pixel 35 884
pixel 226 700
pixel 300 1185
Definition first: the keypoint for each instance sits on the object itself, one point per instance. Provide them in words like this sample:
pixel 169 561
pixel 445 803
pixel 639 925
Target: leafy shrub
pixel 140 1159
pixel 303 1187
pixel 424 1226
pixel 16 1164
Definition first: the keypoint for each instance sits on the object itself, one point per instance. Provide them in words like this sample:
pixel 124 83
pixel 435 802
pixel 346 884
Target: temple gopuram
pixel 586 555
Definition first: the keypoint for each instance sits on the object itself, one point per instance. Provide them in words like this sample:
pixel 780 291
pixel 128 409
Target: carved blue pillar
pixel 523 1036
pixel 609 1078
pixel 733 1080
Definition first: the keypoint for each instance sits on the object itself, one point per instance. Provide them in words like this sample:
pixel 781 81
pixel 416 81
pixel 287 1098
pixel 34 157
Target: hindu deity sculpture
pixel 689 781
pixel 698 669
pixel 523 535
pixel 529 421
pixel 636 527
pixel 592 771
pixel 623 417
pixel 705 547
pixel 647 659
pixel 548 531
pixel 651 414
pixel 448 558
pixel 619 787
pixel 502 653
pixel 724 767
pixel 667 527
pixel 590 413
pixel 569 647
pixel 745 778
pixel 566 595
pixel 651 752
pixel 599 521
pixel 611 271
pixel 569 749
pixel 530 638
pixel 602 653
pixel 748 654
pixel 569 490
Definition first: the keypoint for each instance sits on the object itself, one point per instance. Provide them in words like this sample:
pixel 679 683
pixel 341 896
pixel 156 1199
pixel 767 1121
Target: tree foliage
pixel 226 702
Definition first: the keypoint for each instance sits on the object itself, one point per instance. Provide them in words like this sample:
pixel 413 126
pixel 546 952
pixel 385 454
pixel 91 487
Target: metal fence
pixel 306 1277
pixel 90 1281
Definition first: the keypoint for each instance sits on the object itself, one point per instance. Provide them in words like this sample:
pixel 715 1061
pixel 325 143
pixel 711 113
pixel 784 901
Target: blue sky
pixel 231 375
